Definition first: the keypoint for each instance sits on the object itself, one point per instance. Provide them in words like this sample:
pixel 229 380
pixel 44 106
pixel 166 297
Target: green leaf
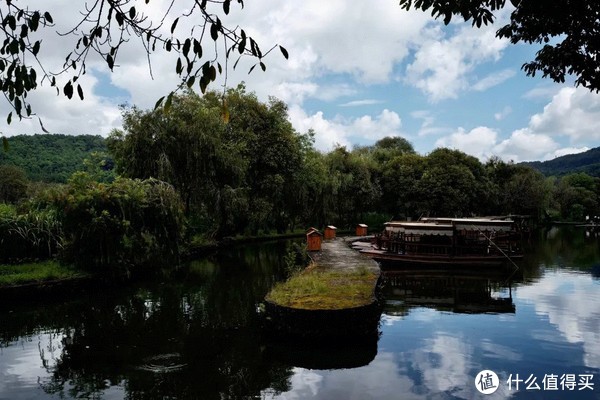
pixel 242 45
pixel 169 102
pixel 48 17
pixel 36 48
pixel 68 90
pixel 186 46
pixel 42 126
pixel 226 5
pixel 5 143
pixel 110 61
pixel 80 91
pixel 173 25
pixel 284 52
pixel 11 22
pixel 159 102
pixel 263 66
pixel 214 31
pixel 34 21
pixel 190 82
pixel 179 67
pixel 197 48
pixel 132 13
pixel 168 45
pixel 203 83
pixel 9 118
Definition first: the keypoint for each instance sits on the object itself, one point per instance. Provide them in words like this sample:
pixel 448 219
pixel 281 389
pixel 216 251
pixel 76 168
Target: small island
pixel 335 296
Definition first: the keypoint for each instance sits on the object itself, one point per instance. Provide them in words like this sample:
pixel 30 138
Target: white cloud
pixel 358 103
pixel 502 114
pixel 493 80
pixel 476 142
pixel 573 112
pixel 441 67
pixel 567 150
pixel 523 145
pixel 428 127
pixel 345 131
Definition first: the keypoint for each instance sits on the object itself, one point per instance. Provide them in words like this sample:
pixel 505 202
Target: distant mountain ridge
pixel 588 162
pixel 50 157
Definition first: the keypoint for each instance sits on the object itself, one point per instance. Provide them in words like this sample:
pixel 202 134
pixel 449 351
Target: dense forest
pixel 190 173
pixel 51 158
pixel 587 162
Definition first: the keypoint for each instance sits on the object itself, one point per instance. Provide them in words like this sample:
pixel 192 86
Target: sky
pixel 357 72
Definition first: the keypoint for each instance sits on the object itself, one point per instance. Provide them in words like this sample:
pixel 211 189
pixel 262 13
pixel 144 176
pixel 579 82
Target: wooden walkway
pixel 338 255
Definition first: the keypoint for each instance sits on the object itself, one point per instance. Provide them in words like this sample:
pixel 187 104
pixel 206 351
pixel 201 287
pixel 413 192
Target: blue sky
pixel 358 71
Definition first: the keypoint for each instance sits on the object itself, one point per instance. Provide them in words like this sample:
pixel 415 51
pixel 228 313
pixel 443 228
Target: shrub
pixel 114 227
pixel 29 236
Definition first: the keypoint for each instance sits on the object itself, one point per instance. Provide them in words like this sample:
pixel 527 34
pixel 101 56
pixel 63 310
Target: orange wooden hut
pixel 361 230
pixel 330 232
pixel 313 240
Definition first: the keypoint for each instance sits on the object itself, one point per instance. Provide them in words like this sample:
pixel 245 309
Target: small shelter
pixel 313 240
pixel 330 232
pixel 361 230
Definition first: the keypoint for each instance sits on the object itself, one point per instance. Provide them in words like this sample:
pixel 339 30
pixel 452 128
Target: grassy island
pixel 322 289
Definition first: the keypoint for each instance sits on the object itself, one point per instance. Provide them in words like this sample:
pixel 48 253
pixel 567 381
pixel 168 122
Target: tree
pixel 13 183
pixel 105 29
pixel 568 30
pixel 576 196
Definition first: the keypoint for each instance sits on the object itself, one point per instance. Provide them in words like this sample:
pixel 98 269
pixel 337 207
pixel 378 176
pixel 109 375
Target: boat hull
pixel 389 259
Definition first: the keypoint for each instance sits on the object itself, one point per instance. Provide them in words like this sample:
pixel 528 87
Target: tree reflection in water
pixel 194 337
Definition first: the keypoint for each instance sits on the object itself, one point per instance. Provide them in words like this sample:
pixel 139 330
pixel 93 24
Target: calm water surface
pixel 198 337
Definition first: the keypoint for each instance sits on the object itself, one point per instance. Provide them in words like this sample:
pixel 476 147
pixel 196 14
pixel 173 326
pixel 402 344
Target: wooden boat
pixel 477 242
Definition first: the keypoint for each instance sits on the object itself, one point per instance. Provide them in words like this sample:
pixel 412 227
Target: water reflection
pixel 569 302
pixel 198 336
pixel 449 290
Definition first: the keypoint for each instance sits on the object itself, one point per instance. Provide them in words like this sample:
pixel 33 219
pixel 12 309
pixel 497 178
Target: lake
pixel 198 336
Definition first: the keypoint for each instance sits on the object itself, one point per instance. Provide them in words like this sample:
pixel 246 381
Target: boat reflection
pixel 459 291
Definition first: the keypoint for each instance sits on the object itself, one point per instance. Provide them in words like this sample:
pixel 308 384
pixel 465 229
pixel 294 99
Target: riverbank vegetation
pixel 38 272
pixel 188 174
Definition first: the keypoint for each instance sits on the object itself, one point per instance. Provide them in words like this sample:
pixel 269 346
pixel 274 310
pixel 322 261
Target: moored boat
pixel 476 242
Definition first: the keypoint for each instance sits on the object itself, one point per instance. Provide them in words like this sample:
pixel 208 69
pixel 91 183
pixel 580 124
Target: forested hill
pixel 588 162
pixel 51 158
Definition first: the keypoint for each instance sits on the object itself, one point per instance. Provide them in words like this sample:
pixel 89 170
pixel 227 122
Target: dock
pixel 335 296
pixel 342 255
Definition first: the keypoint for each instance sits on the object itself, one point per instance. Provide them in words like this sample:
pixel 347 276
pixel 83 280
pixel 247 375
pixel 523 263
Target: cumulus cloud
pixel 441 67
pixel 476 142
pixel 573 112
pixel 524 145
pixel 346 131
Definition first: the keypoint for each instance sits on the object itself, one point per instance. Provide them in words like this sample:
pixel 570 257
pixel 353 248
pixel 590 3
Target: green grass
pixel 19 274
pixel 315 289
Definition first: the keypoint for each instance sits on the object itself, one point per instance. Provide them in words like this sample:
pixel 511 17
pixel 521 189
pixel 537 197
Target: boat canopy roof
pixel 445 226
